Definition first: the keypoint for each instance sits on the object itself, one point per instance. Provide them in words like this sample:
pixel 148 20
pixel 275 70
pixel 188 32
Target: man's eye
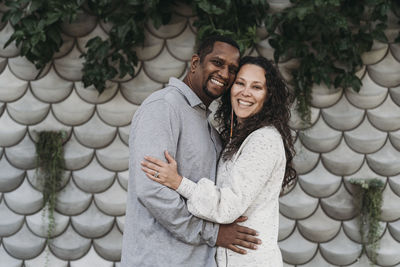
pixel 217 63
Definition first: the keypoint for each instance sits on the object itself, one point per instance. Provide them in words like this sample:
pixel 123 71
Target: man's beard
pixel 209 93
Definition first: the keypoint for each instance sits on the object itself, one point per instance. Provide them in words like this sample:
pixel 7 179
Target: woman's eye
pixel 239 83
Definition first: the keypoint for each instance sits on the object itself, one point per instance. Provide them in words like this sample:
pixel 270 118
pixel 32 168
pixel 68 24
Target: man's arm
pixel 155 130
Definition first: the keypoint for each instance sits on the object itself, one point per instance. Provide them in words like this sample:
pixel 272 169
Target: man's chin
pixel 212 94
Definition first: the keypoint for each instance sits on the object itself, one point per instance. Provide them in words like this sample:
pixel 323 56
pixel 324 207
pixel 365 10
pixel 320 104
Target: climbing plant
pixel 368 200
pixel 49 170
pixel 328 37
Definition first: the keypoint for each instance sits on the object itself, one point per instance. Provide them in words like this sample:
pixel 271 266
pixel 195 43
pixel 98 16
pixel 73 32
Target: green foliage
pixel 368 200
pixel 328 37
pixel 49 169
pixel 236 19
pixel 37 26
pixel 105 59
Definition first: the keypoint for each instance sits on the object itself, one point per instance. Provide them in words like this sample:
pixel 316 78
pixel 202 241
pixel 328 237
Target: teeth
pixel 245 103
pixel 217 82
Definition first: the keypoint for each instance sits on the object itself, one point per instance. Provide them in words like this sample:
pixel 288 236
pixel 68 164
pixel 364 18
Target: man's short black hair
pixel 206 46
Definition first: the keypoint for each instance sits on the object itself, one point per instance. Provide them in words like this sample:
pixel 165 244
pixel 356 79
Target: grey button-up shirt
pixel 159 231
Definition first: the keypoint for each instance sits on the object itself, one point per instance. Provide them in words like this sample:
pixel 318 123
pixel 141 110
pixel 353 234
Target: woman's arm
pixel 250 172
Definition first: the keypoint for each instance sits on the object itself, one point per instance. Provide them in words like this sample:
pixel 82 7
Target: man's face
pixel 216 73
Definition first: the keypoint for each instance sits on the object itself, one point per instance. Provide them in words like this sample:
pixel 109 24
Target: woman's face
pixel 249 91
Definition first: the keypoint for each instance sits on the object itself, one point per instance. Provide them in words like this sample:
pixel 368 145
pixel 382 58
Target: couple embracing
pixel 202 198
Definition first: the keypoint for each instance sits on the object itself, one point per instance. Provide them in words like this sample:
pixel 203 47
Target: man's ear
pixel 194 63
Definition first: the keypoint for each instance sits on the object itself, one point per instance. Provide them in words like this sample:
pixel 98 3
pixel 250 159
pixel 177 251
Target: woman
pixel 255 164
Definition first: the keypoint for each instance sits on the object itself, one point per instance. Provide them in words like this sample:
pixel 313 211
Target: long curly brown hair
pixel 275 112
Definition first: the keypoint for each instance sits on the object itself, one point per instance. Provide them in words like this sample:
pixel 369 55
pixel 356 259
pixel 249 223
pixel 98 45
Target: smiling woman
pixel 249 91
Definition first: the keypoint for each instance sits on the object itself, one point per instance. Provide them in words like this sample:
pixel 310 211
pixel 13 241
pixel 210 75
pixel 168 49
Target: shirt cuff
pixel 186 188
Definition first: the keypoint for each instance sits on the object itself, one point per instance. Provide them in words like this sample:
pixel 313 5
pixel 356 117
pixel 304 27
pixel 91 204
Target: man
pixel 159 230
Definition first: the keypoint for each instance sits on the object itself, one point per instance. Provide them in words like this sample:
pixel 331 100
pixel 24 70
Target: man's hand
pixel 232 235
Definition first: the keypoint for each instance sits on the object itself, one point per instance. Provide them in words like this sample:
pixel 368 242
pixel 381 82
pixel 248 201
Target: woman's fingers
pixel 169 158
pixel 155 161
pixel 150 165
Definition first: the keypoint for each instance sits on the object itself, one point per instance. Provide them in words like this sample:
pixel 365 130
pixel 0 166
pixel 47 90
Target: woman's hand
pixel 162 172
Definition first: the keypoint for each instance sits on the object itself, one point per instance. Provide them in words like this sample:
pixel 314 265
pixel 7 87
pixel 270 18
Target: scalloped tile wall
pixel 353 135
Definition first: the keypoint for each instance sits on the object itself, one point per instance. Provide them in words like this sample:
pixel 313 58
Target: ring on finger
pixel 156 174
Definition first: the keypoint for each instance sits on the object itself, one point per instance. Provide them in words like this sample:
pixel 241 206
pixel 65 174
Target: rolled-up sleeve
pixel 154 130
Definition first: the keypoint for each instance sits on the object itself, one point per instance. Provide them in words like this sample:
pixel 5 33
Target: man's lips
pixel 217 82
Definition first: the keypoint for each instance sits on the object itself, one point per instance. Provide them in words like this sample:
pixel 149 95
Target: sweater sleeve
pixel 252 168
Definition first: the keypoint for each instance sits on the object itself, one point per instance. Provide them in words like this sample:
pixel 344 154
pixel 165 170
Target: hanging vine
pixel 368 200
pixel 328 37
pixel 50 166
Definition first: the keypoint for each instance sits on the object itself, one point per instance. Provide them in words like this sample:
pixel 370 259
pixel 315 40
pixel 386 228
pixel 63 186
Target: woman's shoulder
pixel 266 134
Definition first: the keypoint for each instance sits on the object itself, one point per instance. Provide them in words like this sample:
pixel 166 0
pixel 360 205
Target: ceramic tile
pixel 70 66
pixel 109 246
pixel 10 222
pixel 297 204
pixel 11 88
pixel 69 245
pixel 51 88
pixel 73 110
pixel 319 227
pixel 95 133
pixel 343 116
pixel 112 201
pixel 386 71
pixel 24 245
pixel 28 110
pixel 30 203
pixel 114 157
pixel 296 249
pixel 91 95
pixel 386 117
pixel 92 223
pixel 22 68
pixel 10 177
pixel 182 46
pixel 319 182
pixel 11 50
pixel 117 112
pixel 371 95
pixel 72 201
pixel 341 250
pixel 320 137
pixel 93 178
pixel 138 89
pixel 339 206
pixel 82 25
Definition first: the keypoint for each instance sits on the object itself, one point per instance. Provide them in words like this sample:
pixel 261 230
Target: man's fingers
pixel 246 230
pixel 245 244
pixel 237 250
pixel 240 219
pixel 249 238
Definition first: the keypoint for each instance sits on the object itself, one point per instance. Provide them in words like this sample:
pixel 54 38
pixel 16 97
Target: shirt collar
pixel 187 92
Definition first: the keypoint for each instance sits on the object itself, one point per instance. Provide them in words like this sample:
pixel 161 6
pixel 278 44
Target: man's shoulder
pixel 169 95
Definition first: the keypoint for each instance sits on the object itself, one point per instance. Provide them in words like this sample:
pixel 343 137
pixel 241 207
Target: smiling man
pixel 159 231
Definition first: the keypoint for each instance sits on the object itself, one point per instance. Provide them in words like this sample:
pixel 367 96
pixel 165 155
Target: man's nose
pixel 224 72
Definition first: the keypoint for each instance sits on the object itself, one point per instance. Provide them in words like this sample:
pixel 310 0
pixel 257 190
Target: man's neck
pixel 206 100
